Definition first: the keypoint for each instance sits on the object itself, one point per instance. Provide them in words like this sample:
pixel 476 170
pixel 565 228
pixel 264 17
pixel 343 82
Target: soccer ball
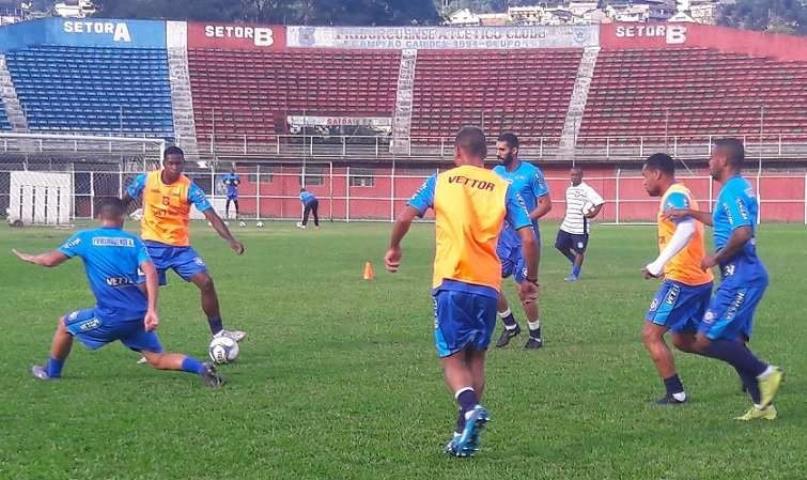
pixel 226 223
pixel 223 350
pixel 242 224
pixel 259 224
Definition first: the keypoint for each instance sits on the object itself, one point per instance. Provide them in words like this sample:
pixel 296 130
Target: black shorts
pixel 576 242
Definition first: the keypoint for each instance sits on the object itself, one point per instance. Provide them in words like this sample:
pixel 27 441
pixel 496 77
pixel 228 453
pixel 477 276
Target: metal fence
pixel 358 194
pixel 326 147
pixel 769 146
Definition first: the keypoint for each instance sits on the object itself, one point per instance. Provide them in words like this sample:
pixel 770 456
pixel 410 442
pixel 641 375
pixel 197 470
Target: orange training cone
pixel 369 274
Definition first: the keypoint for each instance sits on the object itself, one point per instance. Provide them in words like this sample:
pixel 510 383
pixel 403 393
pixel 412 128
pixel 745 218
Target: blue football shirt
pixel 307 197
pixel 111 259
pixel 232 181
pixel 528 181
pixel 737 206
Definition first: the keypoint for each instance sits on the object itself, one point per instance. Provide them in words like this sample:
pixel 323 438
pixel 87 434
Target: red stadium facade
pixel 369 112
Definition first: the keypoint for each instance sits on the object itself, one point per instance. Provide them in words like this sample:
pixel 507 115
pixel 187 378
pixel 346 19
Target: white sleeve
pixel 683 233
pixel 593 196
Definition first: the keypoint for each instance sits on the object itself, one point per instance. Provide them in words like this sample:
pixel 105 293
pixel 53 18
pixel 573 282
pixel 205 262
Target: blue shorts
pixel 95 332
pixel 515 267
pixel 730 315
pixel 462 320
pixel 512 259
pixel 678 306
pixel 183 260
pixel 232 196
pixel 576 242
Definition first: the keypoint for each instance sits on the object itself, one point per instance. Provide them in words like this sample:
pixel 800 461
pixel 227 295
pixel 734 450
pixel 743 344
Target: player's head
pixel 658 172
pixel 470 147
pixel 173 163
pixel 302 190
pixel 507 148
pixel 728 155
pixel 111 211
pixel 576 174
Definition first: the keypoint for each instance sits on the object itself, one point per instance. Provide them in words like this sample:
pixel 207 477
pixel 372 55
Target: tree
pixel 169 9
pixel 781 16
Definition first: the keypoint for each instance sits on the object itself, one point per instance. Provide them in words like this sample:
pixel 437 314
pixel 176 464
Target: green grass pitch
pixel 338 376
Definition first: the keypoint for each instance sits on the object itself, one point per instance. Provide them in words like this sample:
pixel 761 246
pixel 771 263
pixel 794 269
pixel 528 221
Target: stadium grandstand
pixel 360 115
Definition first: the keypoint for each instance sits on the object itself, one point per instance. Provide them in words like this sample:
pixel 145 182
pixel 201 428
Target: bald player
pixel 471 204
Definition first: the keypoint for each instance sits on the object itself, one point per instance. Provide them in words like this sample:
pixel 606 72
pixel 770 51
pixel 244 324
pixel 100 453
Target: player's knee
pixel 681 343
pixel 701 343
pixel 153 359
pixel 650 336
pixel 206 285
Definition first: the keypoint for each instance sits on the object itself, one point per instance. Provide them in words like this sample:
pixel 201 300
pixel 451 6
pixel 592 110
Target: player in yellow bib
pixel 471 205
pixel 167 198
pixel 684 294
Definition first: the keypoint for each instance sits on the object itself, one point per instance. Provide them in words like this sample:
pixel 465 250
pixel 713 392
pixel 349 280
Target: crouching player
pixel 112 258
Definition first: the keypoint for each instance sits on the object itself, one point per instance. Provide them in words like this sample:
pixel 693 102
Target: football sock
pixel 215 324
pixel 751 385
pixel 675 388
pixel 508 319
pixel 466 398
pixel 54 367
pixel 191 365
pixel 535 329
pixel 737 355
pixel 576 270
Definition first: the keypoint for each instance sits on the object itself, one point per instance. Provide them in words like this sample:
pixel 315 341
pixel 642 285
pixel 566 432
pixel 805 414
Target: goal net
pixel 52 180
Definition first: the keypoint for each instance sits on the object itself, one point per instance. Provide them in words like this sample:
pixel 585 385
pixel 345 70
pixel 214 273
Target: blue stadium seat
pixel 5 126
pixel 110 91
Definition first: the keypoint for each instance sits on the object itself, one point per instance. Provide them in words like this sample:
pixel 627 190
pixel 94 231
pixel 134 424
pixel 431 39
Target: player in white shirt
pixel 582 204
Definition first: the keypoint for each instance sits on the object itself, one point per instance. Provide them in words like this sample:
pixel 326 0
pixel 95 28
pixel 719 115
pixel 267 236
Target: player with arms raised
pixel 123 311
pixel 471 205
pixel 684 294
pixel 167 198
pixel 528 181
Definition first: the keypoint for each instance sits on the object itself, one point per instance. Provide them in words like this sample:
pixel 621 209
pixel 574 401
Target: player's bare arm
pixel 49 259
pixel 681 213
pixel 739 237
pixel 543 208
pixel 528 290
pixel 392 260
pixel 152 320
pixel 595 211
pixel 223 231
